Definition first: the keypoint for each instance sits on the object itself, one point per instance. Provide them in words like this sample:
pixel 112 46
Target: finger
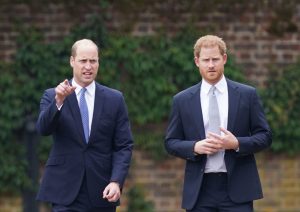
pixel 114 198
pixel 214 135
pixel 59 88
pixel 66 82
pixel 226 132
pixel 111 198
pixel 213 142
pixel 210 151
pixel 209 146
pixel 62 88
pixel 69 89
pixel 61 85
pixel 73 88
pixel 105 192
pixel 214 146
pixel 60 91
pixel 65 88
pixel 112 191
pixel 110 194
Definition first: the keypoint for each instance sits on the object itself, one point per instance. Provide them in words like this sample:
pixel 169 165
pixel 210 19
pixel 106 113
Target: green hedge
pixel 282 103
pixel 12 163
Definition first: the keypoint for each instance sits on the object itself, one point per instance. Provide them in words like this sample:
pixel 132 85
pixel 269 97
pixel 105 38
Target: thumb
pixel 105 192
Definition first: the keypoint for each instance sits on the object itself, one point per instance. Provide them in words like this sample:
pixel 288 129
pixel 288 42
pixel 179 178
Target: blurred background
pixel 147 53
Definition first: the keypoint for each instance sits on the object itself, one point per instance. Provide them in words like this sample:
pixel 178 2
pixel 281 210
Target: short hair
pixel 209 41
pixel 82 41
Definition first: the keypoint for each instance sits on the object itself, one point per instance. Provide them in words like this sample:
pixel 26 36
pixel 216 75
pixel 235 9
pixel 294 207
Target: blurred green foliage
pixel 282 103
pixel 148 70
pixel 137 202
pixel 151 142
pixel 12 163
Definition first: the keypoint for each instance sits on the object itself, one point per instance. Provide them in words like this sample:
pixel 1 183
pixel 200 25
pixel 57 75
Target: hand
pixel 207 146
pixel 63 90
pixel 227 141
pixel 112 192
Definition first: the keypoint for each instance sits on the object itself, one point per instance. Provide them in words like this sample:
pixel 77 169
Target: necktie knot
pixel 83 90
pixel 212 90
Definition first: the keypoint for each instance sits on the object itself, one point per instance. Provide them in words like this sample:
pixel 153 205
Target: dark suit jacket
pixel 246 120
pixel 105 158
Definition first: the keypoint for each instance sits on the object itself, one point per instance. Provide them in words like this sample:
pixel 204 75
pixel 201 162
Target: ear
pixel 196 60
pixel 225 58
pixel 72 61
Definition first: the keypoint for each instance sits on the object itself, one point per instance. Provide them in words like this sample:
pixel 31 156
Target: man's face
pixel 85 64
pixel 211 64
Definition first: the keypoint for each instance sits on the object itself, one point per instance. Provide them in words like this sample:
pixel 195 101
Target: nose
pixel 88 65
pixel 211 64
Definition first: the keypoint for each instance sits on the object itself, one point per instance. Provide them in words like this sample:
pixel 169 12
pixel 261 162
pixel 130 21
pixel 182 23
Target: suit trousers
pixel 82 203
pixel 213 196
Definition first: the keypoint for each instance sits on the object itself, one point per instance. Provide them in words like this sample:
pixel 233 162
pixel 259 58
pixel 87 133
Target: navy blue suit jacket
pixel 246 120
pixel 105 158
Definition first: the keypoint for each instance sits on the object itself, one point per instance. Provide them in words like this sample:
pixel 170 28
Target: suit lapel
pixel 98 106
pixel 233 102
pixel 72 103
pixel 196 110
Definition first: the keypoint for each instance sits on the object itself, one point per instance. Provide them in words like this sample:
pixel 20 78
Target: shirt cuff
pixel 58 108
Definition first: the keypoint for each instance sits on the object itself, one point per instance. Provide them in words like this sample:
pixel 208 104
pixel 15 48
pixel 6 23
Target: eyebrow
pixel 95 59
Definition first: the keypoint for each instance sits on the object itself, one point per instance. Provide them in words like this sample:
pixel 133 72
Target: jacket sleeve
pixel 260 133
pixel 48 113
pixel 175 142
pixel 123 145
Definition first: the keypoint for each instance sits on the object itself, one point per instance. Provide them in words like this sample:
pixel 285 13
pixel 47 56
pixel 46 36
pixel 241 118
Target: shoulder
pixel 240 86
pixel 109 91
pixel 188 92
pixel 49 92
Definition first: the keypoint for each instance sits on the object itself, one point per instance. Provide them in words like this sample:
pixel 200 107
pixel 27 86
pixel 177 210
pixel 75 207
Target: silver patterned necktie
pixel 215 161
pixel 84 114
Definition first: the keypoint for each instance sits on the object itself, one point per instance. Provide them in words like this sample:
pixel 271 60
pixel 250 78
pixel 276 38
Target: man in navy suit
pixel 89 161
pixel 220 173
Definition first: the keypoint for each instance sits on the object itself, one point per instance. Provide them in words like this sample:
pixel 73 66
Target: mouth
pixel 211 71
pixel 87 74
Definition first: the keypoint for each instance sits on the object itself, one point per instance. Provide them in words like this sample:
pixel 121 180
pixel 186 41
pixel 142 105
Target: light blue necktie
pixel 215 161
pixel 213 112
pixel 84 114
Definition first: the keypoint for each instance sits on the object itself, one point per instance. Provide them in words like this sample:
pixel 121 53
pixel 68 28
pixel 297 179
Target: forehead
pixel 210 52
pixel 86 51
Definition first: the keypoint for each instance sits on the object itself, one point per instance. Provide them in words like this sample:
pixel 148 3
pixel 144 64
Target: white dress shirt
pixel 89 97
pixel 222 99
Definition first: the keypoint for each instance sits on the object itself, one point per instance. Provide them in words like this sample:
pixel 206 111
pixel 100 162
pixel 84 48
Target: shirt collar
pixel 90 89
pixel 221 85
